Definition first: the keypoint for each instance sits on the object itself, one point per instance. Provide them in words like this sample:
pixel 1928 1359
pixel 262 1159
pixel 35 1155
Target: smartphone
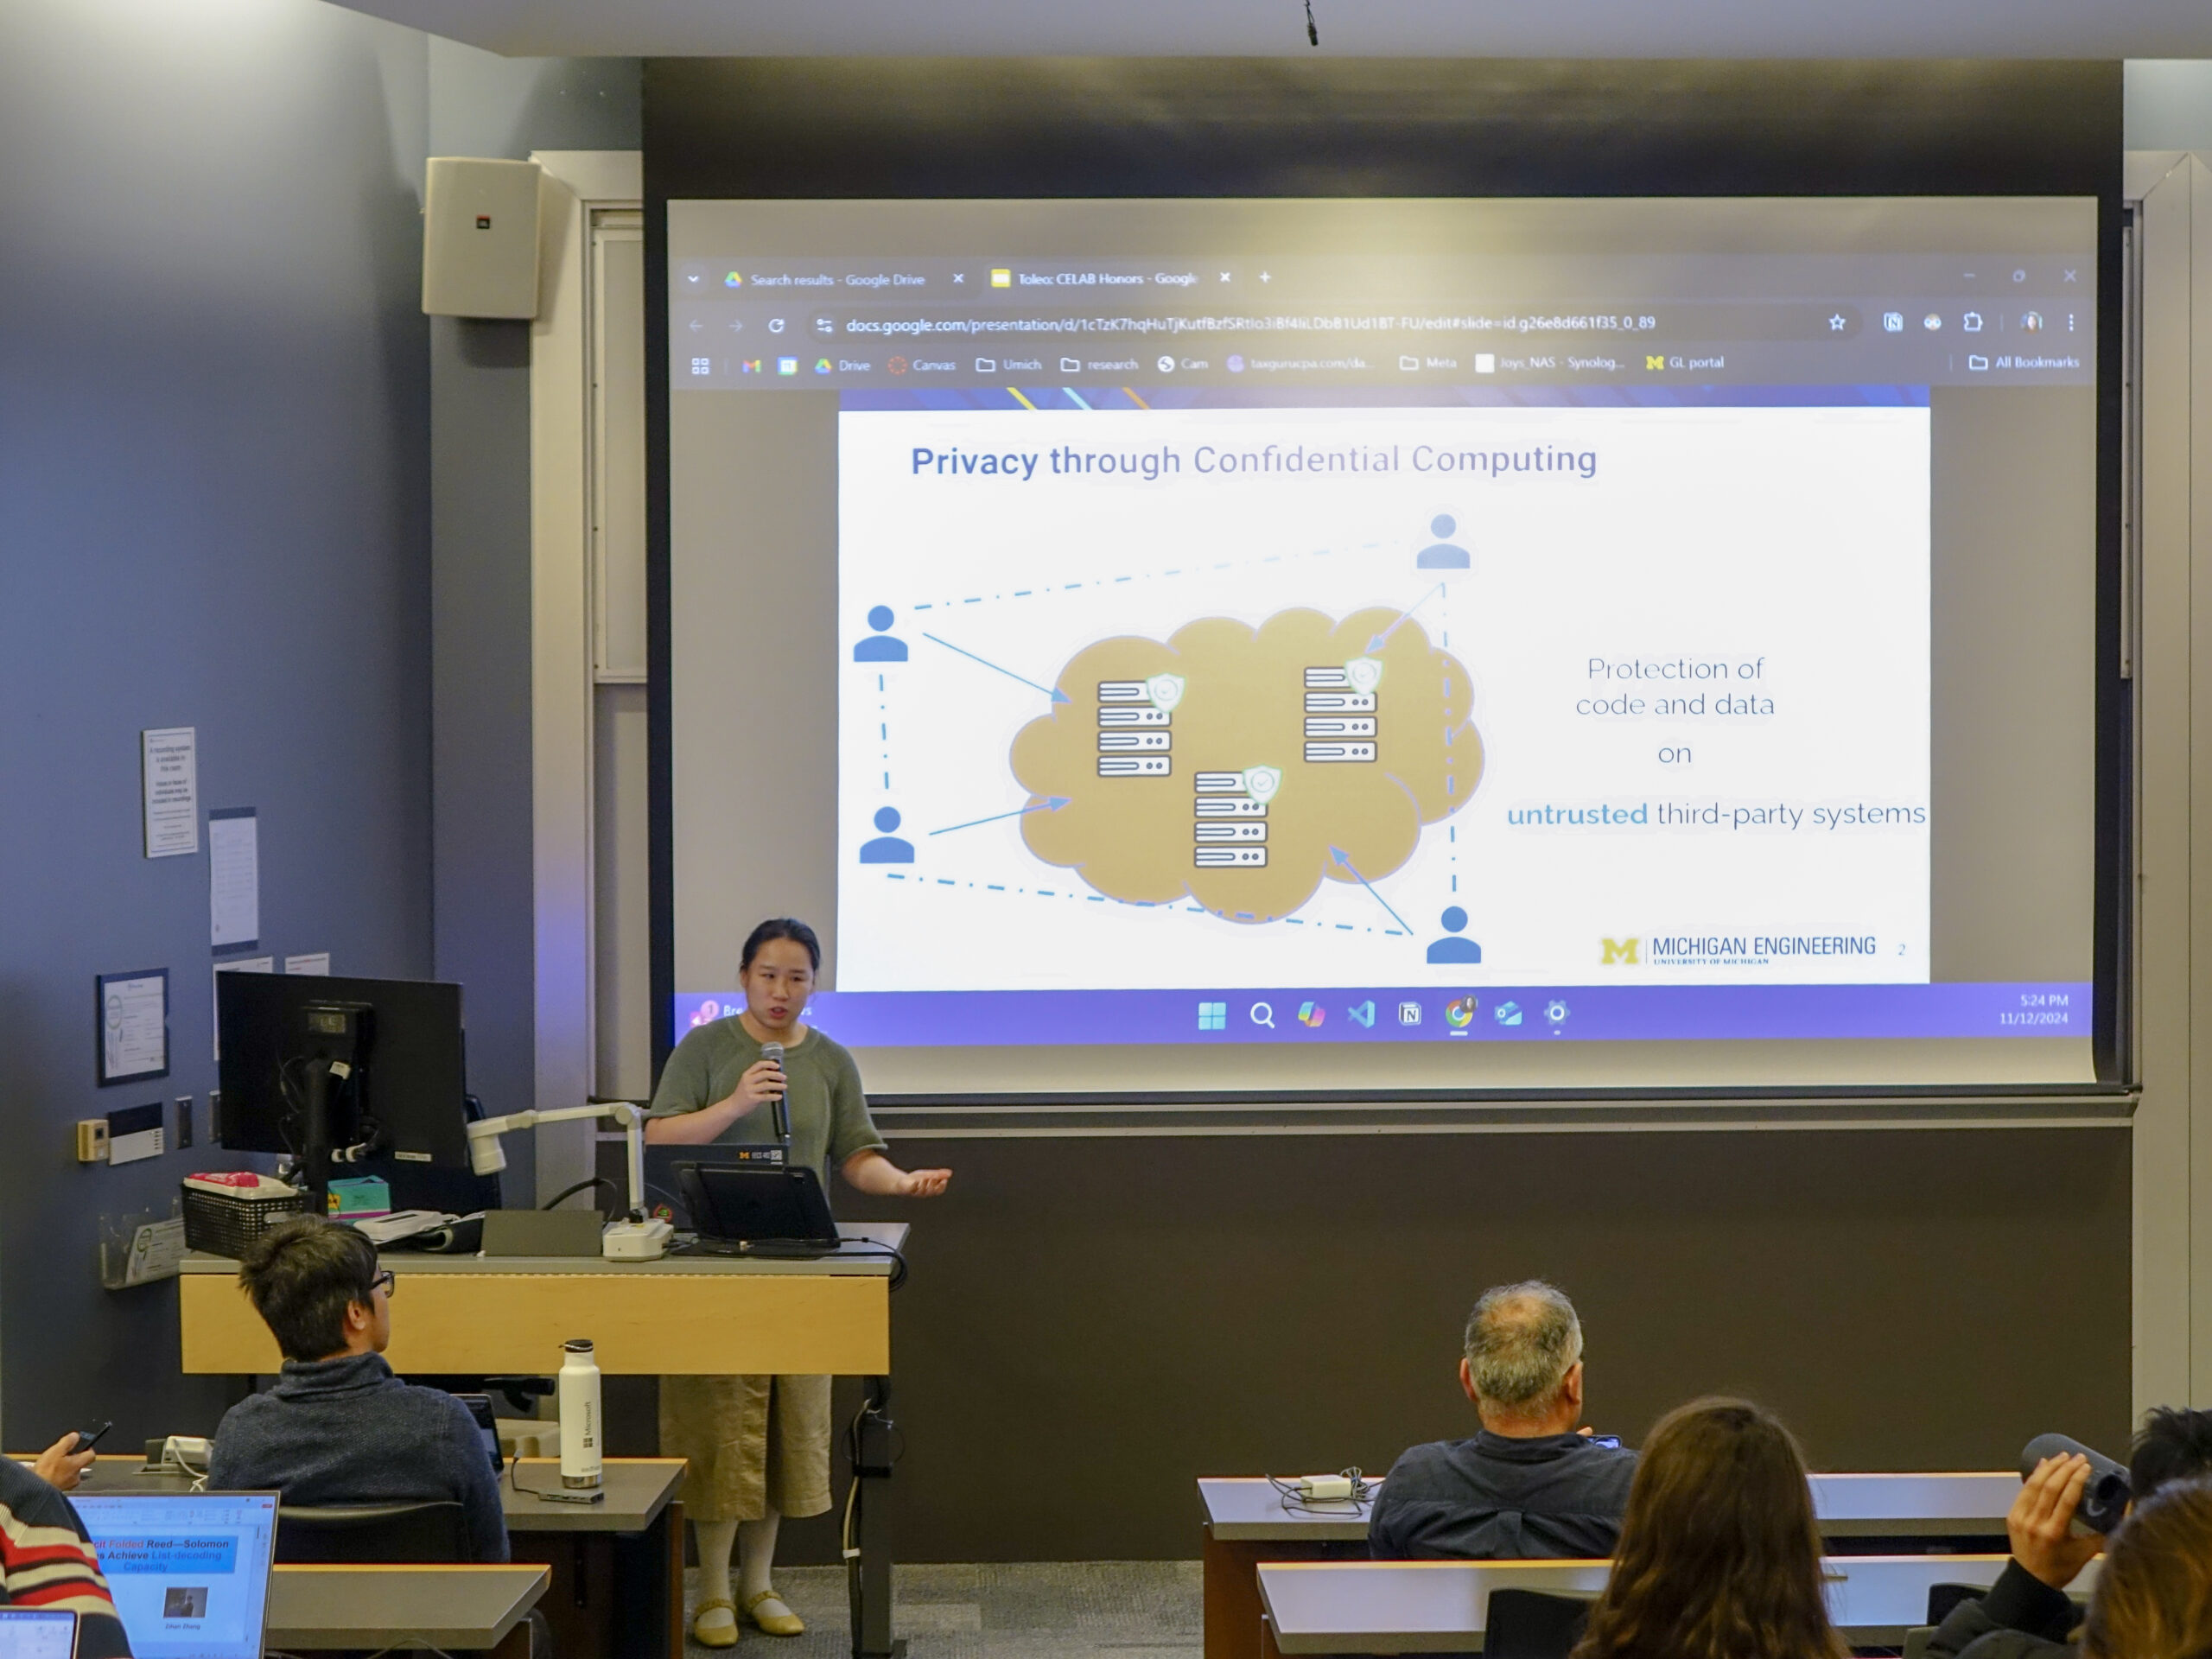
pixel 89 1438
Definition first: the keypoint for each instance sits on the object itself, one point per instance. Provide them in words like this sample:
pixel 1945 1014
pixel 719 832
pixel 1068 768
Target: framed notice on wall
pixel 133 1010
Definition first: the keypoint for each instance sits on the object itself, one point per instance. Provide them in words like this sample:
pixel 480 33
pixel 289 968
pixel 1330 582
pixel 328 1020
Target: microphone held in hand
pixel 2104 1500
pixel 774 1053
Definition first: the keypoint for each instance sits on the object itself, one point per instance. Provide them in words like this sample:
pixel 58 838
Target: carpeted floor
pixel 1080 1610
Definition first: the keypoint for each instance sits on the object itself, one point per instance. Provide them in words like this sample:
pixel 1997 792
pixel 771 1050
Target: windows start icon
pixel 1213 1016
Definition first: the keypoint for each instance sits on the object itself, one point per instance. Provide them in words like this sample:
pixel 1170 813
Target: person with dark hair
pixel 2173 1443
pixel 1719 1555
pixel 338 1427
pixel 757 1447
pixel 2027 1613
pixel 1532 1483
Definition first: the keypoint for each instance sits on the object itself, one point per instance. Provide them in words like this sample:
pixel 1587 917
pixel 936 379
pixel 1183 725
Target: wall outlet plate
pixel 92 1140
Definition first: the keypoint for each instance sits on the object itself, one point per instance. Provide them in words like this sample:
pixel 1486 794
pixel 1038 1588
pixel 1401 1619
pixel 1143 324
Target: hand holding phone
pixel 63 1463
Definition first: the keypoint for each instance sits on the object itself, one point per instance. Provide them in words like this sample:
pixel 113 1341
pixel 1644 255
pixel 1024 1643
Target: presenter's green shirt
pixel 830 1116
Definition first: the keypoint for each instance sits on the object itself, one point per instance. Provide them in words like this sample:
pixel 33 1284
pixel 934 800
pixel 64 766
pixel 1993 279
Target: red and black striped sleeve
pixel 47 1561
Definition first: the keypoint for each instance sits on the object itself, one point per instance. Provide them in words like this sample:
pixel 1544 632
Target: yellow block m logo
pixel 1622 950
pixel 1651 362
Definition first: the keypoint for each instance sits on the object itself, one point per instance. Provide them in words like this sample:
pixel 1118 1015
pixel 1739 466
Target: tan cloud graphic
pixel 1160 775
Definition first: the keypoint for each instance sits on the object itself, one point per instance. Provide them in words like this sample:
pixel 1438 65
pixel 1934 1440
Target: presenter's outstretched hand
pixel 2040 1522
pixel 61 1464
pixel 869 1171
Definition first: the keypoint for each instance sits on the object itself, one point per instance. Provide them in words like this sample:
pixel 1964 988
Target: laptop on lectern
pixel 189 1570
pixel 765 1209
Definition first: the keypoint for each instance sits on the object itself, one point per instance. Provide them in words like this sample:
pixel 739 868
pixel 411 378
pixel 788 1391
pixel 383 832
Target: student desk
pixel 1246 1524
pixel 471 1608
pixel 1388 1607
pixel 617 1566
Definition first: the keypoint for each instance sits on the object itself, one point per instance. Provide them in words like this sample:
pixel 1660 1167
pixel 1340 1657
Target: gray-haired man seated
pixel 1527 1487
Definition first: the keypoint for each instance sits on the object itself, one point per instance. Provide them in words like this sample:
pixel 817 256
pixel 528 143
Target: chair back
pixel 1533 1624
pixel 414 1533
pixel 1941 1597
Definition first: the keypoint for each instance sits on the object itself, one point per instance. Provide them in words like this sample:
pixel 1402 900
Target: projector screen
pixel 1391 646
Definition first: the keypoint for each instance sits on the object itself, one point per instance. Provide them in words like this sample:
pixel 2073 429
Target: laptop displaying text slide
pixel 189 1570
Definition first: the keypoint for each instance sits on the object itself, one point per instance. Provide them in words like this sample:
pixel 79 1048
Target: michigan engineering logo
pixel 1618 952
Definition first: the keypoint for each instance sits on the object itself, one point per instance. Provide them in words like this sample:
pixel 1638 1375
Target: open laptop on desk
pixel 756 1209
pixel 189 1570
pixel 37 1633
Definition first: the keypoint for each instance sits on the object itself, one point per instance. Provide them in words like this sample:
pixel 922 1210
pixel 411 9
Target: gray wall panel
pixel 483 104
pixel 213 511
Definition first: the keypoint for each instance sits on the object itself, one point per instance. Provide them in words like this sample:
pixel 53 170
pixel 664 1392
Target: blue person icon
pixel 887 849
pixel 1453 948
pixel 881 646
pixel 1442 554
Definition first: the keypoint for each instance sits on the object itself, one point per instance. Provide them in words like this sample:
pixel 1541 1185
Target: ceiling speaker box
pixel 480 238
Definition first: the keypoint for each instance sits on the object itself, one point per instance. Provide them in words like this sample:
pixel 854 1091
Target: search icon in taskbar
pixel 1263 1013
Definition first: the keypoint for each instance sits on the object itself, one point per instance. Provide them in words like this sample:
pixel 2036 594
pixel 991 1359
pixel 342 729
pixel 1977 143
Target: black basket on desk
pixel 224 1224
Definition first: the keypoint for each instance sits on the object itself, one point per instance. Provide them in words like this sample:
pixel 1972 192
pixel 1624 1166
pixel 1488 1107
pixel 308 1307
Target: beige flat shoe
pixel 716 1635
pixel 785 1623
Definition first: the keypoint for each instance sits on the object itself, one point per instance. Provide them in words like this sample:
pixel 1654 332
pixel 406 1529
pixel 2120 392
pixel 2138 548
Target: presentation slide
pixel 1223 726
pixel 1185 673
pixel 189 1573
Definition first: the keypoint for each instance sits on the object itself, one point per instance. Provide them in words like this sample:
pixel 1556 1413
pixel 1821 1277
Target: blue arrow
pixel 1050 804
pixel 1404 617
pixel 1338 853
pixel 1055 695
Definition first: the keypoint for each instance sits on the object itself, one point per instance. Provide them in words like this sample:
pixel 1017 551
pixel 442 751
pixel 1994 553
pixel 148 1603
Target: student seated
pixel 339 1428
pixel 1719 1554
pixel 46 1558
pixel 1528 1486
pixel 2027 1613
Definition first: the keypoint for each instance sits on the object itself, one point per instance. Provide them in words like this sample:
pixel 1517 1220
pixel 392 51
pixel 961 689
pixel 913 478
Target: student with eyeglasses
pixel 339 1428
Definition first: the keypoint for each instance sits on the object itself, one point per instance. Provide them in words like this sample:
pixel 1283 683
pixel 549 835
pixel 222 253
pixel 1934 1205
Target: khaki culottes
pixel 753 1444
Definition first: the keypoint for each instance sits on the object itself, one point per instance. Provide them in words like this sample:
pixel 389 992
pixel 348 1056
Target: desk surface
pixel 637 1491
pixel 1849 1505
pixel 1441 1606
pixel 468 1607
pixel 862 1252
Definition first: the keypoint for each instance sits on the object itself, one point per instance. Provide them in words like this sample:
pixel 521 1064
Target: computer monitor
pixel 351 1077
pixel 37 1633
pixel 189 1570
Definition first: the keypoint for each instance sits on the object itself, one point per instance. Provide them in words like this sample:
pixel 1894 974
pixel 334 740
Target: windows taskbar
pixel 1429 1014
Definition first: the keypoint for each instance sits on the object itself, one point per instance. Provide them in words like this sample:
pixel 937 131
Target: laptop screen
pixel 189 1570
pixel 36 1633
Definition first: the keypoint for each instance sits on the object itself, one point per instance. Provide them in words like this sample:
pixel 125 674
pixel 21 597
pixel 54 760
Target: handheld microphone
pixel 2104 1500
pixel 775 1052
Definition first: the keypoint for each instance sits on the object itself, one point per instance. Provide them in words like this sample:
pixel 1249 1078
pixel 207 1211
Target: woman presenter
pixel 758 1446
